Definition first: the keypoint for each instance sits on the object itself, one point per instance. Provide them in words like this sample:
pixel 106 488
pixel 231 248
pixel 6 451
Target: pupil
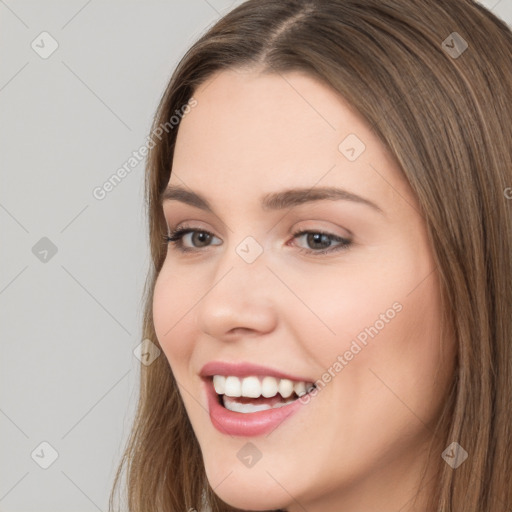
pixel 317 237
pixel 203 236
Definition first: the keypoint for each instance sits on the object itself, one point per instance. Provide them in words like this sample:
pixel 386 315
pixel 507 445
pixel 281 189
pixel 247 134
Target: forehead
pixel 243 109
pixel 251 132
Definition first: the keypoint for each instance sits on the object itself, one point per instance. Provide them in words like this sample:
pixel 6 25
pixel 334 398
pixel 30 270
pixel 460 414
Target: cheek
pixel 377 325
pixel 395 368
pixel 363 302
pixel 384 367
pixel 172 299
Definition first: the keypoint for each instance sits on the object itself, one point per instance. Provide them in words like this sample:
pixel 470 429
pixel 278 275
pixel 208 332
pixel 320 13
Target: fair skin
pixel 359 445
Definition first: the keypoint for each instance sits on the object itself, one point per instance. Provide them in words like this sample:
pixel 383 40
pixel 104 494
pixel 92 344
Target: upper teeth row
pixel 253 387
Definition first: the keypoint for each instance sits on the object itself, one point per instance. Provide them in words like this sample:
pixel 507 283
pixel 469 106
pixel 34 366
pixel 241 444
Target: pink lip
pixel 245 370
pixel 241 424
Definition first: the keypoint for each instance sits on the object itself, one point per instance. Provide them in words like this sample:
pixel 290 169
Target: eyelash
pixel 175 237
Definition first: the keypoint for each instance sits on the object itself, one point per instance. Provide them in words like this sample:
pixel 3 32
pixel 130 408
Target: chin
pixel 256 499
pixel 246 488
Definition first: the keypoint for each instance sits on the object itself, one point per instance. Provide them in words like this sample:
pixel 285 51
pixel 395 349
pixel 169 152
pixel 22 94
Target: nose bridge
pixel 244 266
pixel 240 293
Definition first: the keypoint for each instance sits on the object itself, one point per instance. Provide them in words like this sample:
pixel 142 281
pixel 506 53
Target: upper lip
pixel 245 369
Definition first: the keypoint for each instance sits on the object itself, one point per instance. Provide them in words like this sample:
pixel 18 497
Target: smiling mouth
pixel 258 393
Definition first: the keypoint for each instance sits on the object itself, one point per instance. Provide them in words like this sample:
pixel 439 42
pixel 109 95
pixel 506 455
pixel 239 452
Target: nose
pixel 239 299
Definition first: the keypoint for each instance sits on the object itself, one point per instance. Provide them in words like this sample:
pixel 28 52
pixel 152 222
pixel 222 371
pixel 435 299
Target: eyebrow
pixel 271 201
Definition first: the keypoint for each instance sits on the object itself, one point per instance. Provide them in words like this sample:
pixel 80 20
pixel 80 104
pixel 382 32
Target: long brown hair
pixel 444 110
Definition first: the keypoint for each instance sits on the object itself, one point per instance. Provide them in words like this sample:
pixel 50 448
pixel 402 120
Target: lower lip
pixel 246 424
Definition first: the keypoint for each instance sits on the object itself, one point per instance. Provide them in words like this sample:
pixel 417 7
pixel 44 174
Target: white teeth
pixel 269 387
pixel 233 386
pixel 285 388
pixel 299 388
pixel 254 387
pixel 219 383
pixel 251 387
pixel 233 405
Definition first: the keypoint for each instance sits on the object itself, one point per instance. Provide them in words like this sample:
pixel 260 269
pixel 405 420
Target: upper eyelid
pixel 181 229
pixel 326 230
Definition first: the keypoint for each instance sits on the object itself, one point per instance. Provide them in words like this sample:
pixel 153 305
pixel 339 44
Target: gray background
pixel 71 320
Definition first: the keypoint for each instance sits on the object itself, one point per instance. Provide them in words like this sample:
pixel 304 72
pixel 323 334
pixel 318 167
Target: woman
pixel 330 227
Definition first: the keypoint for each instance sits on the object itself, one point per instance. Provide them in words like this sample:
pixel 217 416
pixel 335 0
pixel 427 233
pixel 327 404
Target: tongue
pixel 262 400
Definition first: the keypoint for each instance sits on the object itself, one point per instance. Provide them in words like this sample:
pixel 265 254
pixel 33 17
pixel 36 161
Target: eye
pixel 323 241
pixel 201 236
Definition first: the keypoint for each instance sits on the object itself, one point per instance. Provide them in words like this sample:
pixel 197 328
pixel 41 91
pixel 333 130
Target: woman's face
pixel 361 319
